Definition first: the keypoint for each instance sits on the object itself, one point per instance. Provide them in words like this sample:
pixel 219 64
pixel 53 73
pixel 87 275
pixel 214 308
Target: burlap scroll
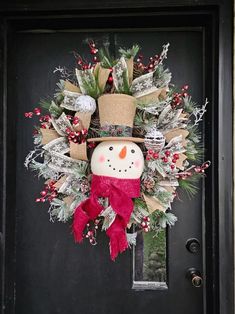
pixel 78 151
pixel 48 135
pixel 103 75
pixel 153 204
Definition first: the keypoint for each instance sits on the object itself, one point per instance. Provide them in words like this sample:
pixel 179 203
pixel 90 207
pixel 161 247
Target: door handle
pixel 195 277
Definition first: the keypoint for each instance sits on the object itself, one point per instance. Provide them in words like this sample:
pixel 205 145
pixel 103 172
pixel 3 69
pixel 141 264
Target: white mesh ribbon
pixel 71 185
pixel 61 124
pixel 85 77
pixel 109 217
pixel 69 100
pixel 62 163
pixel 120 74
pixel 143 85
pixel 59 145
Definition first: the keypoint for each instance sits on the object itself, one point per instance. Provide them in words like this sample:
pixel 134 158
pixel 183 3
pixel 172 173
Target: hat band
pixel 108 130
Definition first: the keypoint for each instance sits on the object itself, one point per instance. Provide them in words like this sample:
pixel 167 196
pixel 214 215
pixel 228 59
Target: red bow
pixel 120 193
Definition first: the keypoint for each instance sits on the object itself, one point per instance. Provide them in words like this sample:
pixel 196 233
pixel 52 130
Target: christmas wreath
pixel 114 146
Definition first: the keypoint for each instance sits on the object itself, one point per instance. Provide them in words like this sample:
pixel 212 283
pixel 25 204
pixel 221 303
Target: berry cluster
pixel 84 65
pixel 77 137
pixel 91 234
pixel 48 194
pixel 153 62
pixel 145 224
pixel 193 170
pixel 36 111
pixel 45 121
pixel 167 157
pixel 178 97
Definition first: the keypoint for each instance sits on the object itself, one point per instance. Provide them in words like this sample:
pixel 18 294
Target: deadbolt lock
pixel 193 245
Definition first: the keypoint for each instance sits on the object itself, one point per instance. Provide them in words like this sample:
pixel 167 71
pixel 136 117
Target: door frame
pixel 216 20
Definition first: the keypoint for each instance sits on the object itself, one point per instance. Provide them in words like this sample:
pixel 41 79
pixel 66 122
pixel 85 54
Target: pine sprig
pixel 194 134
pixel 162 77
pixel 106 60
pixel 125 88
pixel 92 88
pixel 194 151
pixel 188 104
pixel 51 106
pixel 190 185
pixel 129 53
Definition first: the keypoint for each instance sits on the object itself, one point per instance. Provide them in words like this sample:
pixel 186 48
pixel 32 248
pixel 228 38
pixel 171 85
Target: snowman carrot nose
pixel 122 153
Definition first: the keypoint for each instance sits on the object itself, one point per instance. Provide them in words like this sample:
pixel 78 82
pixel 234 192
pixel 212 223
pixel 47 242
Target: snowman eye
pixel 111 148
pixel 133 151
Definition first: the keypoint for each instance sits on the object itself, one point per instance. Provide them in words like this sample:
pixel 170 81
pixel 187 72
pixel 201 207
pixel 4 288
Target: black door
pixel 47 271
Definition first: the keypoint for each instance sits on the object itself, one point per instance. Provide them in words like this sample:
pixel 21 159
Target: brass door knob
pixel 195 277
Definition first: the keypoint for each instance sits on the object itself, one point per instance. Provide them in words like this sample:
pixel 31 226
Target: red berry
pixel 176 156
pixel 148 157
pixel 167 153
pixel 172 167
pixel 54 194
pixel 110 80
pixel 165 159
pixel 75 120
pixel 38 200
pixel 29 115
pixel 155 155
pixel 174 160
pixel 185 94
pixel 185 87
pixel 43 193
pixel 37 111
pixel 150 151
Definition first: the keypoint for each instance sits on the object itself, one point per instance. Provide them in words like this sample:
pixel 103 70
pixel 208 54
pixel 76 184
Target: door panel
pixel 54 275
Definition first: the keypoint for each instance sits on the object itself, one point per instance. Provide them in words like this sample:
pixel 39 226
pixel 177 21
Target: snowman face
pixel 118 159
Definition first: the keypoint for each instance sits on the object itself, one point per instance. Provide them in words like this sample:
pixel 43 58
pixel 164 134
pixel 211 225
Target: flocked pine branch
pixel 64 72
pixel 106 60
pixel 162 77
pixel 129 53
pixel 188 104
pixel 163 54
pixel 198 113
pixel 189 185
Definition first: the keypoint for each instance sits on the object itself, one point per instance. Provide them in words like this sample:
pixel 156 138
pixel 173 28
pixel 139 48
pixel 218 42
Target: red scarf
pixel 120 193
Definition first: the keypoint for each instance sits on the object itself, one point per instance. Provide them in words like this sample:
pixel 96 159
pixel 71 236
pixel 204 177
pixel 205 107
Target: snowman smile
pixel 125 169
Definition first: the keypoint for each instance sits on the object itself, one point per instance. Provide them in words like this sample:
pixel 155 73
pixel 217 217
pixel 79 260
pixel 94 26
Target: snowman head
pixel 118 159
